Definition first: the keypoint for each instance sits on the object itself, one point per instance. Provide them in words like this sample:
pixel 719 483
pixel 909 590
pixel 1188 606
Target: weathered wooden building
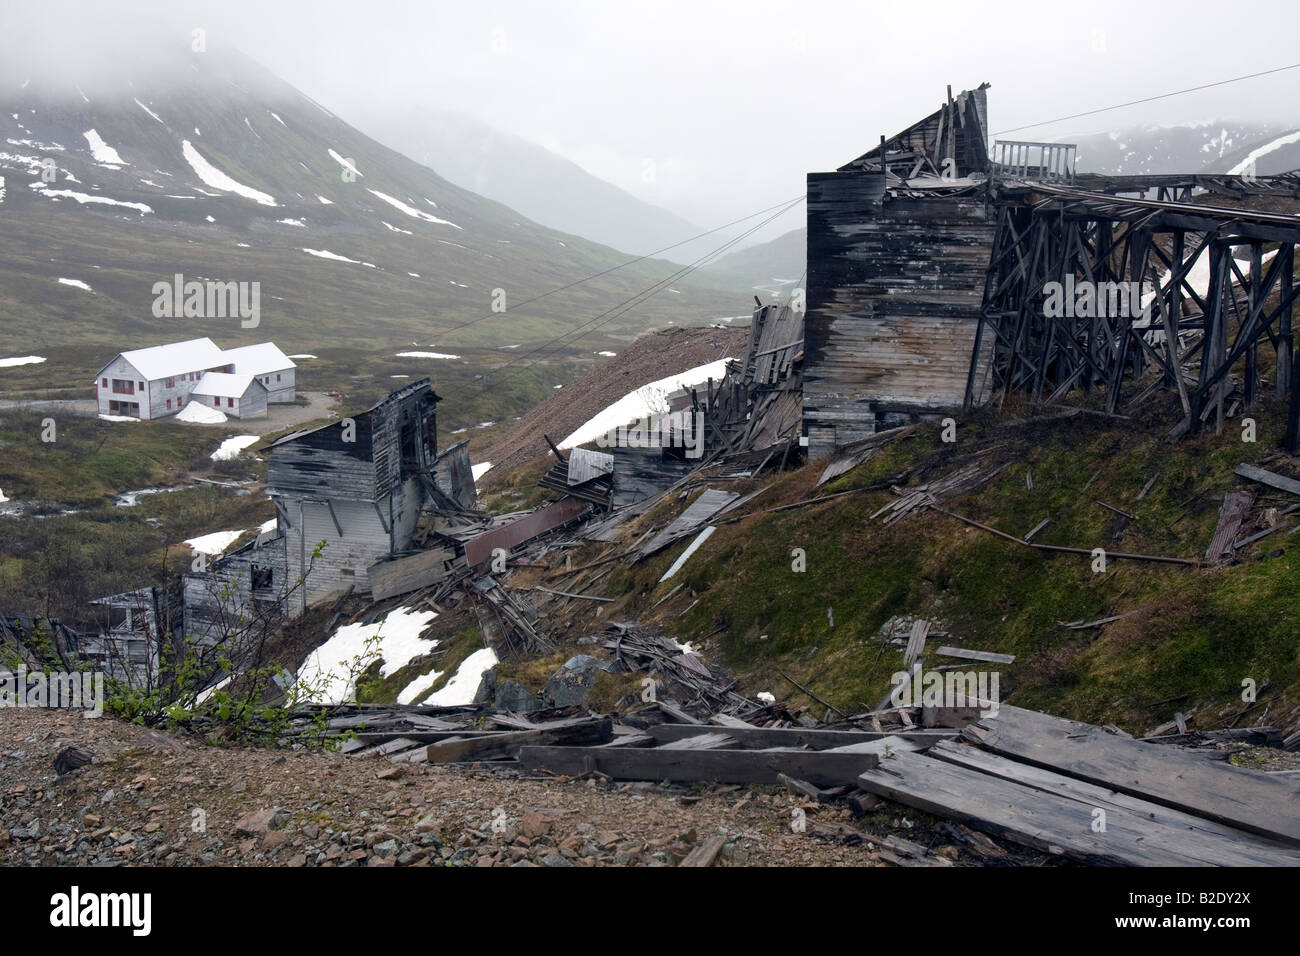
pixel 899 241
pixel 358 486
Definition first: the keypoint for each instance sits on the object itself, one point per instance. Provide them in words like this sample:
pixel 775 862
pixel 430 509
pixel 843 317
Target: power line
pixel 1147 99
pixel 623 265
pixel 633 301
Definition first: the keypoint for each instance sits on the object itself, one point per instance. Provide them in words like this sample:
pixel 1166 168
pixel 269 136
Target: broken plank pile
pixel 460 734
pixel 690 689
pixel 967 478
pixel 1072 789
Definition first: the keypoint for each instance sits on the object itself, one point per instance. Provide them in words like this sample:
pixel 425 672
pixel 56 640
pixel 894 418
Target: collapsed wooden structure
pixel 1065 789
pixel 940 276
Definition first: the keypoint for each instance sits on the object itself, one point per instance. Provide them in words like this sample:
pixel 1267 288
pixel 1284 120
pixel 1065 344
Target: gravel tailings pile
pixel 648 359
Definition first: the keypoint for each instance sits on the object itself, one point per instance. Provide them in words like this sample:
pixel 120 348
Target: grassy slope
pixel 52 564
pixel 1196 635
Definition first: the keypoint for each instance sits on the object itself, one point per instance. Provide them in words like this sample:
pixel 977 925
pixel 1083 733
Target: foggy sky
pixel 716 109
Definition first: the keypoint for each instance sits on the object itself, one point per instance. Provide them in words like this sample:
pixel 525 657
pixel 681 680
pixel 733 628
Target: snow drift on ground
pixel 200 414
pixel 329 671
pixel 214 543
pixel 231 447
pixel 650 399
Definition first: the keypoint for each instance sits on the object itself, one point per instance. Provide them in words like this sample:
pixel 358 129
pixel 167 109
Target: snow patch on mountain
pixel 411 210
pixel 102 152
pixel 1259 151
pixel 83 198
pixel 347 165
pixel 149 111
pixel 75 283
pixel 215 178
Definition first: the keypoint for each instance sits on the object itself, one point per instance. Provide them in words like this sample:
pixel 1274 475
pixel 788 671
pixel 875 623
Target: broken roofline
pixel 957 103
pixel 665 431
pixel 405 391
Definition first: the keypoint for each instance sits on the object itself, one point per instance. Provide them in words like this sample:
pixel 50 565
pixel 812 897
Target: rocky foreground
pixel 155 798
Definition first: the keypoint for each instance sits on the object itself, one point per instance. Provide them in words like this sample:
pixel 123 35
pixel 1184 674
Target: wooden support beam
pixel 715 766
pixel 508 743
pixel 814 738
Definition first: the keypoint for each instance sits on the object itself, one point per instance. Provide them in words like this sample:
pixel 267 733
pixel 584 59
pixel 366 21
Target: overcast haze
pixel 713 110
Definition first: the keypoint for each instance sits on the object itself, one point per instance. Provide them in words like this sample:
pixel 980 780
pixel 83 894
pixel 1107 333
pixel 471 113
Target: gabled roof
pixel 175 358
pixel 225 385
pixel 258 359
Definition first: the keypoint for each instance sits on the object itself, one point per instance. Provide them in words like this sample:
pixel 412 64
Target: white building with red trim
pixel 158 381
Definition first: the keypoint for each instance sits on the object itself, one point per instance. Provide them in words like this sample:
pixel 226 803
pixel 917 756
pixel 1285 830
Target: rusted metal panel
pixel 524 529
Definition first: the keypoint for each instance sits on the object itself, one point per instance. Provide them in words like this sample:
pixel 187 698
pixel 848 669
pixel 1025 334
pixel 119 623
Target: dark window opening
pixel 261 578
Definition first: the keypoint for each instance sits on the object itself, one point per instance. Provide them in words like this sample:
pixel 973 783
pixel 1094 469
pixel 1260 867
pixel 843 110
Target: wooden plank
pixel 1280 482
pixel 710 501
pixel 507 743
pixel 706 852
pixel 881 748
pixel 718 766
pixel 1236 505
pixel 811 737
pixel 1212 842
pixel 1239 798
pixel 916 641
pixel 970 655
pixel 701 742
pixel 386 748
pixel 1043 821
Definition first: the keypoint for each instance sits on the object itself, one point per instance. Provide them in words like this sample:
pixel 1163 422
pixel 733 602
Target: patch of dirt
pixel 648 359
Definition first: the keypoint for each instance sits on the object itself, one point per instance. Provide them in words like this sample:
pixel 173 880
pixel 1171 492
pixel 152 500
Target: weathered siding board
pixel 454 476
pixel 222 604
pixel 402 575
pixel 252 404
pixel 322 459
pixel 895 287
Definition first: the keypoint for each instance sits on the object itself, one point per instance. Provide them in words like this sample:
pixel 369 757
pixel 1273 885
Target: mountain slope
pixel 772 267
pixel 211 167
pixel 1170 149
pixel 542 185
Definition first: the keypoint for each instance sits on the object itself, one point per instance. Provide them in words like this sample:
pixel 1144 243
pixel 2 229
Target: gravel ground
pixel 154 798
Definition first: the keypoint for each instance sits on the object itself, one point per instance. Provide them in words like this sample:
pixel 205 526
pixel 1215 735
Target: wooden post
pixel 1285 380
pixel 1293 410
pixel 1252 347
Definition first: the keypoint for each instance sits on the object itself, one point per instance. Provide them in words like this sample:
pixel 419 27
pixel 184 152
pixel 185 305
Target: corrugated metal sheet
pixel 584 465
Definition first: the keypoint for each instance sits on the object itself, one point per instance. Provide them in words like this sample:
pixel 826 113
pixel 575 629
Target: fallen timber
pixel 1018 776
